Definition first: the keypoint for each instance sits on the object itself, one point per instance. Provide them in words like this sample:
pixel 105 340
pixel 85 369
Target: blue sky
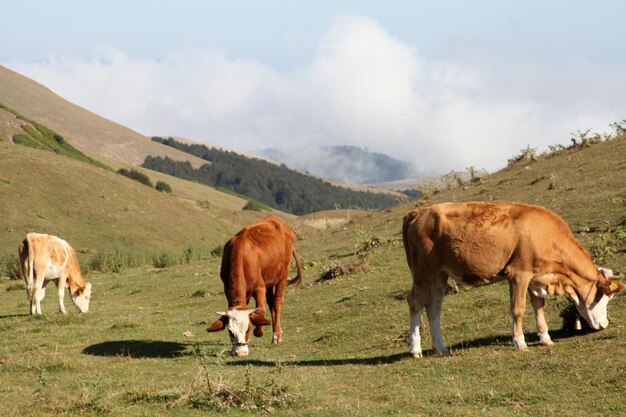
pixel 445 85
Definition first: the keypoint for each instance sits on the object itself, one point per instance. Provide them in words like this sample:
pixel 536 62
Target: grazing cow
pixel 46 258
pixel 255 264
pixel 479 243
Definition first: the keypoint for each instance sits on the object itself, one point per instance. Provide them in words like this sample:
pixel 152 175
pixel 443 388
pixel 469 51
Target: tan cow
pixel 255 264
pixel 46 258
pixel 479 243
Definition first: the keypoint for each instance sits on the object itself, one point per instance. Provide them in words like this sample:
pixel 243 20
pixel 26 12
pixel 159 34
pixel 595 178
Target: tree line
pixel 272 184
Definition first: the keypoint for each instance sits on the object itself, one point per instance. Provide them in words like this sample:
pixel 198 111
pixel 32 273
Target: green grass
pixel 344 352
pixel 143 349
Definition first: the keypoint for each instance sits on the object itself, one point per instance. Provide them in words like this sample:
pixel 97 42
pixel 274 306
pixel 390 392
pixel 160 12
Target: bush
pixel 217 251
pixel 16 287
pixel 116 261
pixel 163 187
pixel 9 267
pixel 135 175
pixel 254 205
pixel 200 294
pixel 527 154
pixel 188 254
pixel 163 260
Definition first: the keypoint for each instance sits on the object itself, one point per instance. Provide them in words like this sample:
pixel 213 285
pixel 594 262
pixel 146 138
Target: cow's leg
pixel 277 309
pixel 259 299
pixel 61 286
pixel 30 294
pixel 433 310
pixel 518 286
pixel 542 327
pixel 269 297
pixel 416 300
pixel 40 293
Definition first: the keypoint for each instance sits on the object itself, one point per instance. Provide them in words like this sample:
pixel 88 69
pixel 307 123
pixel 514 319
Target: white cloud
pixel 363 87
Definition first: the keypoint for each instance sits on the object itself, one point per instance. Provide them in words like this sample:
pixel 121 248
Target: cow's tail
pixel 27 262
pixel 298 278
pixel 406 222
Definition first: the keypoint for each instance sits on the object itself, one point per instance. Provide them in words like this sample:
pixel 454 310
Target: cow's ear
pixel 259 320
pixel 610 287
pixel 219 324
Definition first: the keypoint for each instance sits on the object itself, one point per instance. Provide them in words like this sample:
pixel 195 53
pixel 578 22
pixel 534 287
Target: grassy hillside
pixel 90 133
pixel 99 211
pixel 143 350
pixel 35 135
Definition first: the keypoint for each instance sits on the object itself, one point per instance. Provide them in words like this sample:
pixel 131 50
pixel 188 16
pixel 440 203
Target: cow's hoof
pixel 276 340
pixel 416 354
pixel 258 331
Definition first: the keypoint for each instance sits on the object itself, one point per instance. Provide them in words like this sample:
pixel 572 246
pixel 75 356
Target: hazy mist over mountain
pixel 350 164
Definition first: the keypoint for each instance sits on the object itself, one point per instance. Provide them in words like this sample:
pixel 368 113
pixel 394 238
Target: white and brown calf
pixel 44 258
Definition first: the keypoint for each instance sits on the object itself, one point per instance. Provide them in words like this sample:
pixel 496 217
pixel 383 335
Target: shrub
pixel 217 251
pixel 116 261
pixel 188 254
pixel 254 205
pixel 16 287
pixel 163 187
pixel 527 154
pixel 135 175
pixel 9 267
pixel 163 260
pixel 200 294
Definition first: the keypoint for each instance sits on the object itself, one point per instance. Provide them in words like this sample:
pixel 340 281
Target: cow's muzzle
pixel 240 349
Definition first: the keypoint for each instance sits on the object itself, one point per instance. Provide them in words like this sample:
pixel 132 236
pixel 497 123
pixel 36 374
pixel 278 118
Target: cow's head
pixel 81 298
pixel 593 305
pixel 239 321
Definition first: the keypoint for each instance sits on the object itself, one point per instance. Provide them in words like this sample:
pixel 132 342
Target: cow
pixel 478 243
pixel 44 258
pixel 255 263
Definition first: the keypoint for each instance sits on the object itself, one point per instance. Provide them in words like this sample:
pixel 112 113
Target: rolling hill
pixel 275 185
pixel 90 133
pixel 99 211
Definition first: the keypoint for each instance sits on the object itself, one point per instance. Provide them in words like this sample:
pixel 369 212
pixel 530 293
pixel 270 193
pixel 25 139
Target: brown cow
pixel 255 264
pixel 479 243
pixel 46 258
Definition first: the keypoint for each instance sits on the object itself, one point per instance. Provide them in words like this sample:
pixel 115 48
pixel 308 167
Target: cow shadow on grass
pixel 138 349
pixel 9 316
pixel 498 340
pixel 506 339
pixel 141 349
pixel 375 360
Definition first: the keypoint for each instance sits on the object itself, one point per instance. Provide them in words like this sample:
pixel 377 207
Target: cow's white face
pixel 596 313
pixel 239 330
pixel 82 300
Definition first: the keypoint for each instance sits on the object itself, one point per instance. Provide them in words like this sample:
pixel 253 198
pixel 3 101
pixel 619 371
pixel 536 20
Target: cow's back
pixel 475 241
pixel 263 247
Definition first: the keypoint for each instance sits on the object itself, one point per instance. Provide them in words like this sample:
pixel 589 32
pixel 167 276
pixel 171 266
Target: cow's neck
pixel 236 292
pixel 583 275
pixel 75 285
